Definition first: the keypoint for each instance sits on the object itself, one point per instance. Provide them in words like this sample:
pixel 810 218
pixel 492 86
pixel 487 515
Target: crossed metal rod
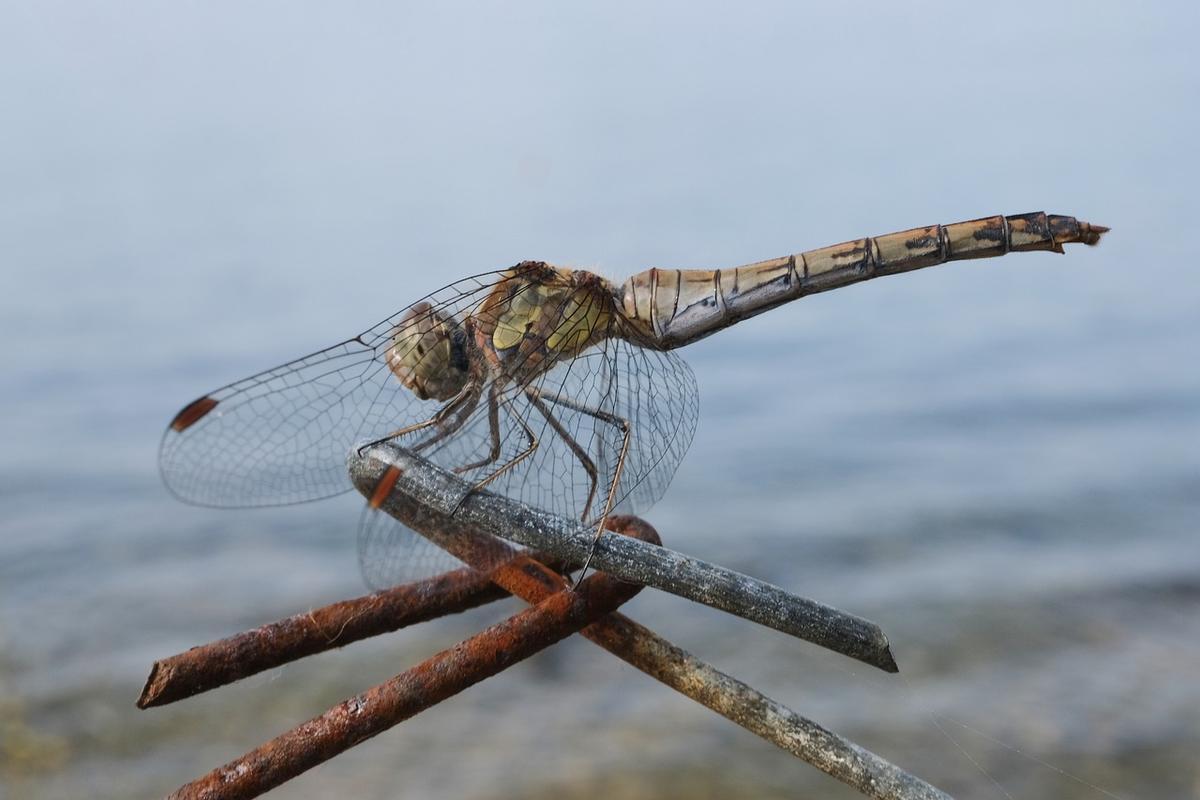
pixel 430 501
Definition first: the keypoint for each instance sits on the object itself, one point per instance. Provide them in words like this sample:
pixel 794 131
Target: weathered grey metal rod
pixel 834 755
pixel 440 492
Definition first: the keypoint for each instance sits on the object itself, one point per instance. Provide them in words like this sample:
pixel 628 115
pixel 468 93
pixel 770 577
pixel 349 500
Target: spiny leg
pixel 399 432
pixel 464 404
pixel 512 462
pixel 469 395
pixel 494 429
pixel 517 459
pixel 625 427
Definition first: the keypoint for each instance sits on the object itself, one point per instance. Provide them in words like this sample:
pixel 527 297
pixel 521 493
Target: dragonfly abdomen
pixel 676 307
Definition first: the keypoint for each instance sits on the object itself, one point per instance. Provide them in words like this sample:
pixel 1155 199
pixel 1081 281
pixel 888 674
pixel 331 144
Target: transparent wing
pixel 390 554
pixel 617 418
pixel 555 444
pixel 282 436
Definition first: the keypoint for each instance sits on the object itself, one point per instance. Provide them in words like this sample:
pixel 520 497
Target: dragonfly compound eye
pixel 427 353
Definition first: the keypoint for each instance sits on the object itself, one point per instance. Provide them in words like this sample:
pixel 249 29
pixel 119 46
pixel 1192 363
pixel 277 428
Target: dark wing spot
pixel 192 413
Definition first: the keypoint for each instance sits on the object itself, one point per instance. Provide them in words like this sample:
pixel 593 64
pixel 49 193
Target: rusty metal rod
pixel 218 663
pixel 359 718
pixel 835 755
pixel 209 666
pixel 640 647
pixel 444 499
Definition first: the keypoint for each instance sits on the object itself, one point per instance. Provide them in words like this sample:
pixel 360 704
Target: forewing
pixel 282 436
pixel 619 412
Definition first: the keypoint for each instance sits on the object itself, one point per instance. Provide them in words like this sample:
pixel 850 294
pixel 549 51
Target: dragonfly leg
pixel 463 403
pixel 626 429
pixel 514 461
pixel 589 466
pixel 400 432
pixel 461 406
pixel 494 427
pixel 469 395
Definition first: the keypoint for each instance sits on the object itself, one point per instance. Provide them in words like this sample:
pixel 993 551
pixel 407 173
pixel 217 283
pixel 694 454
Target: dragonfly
pixel 555 387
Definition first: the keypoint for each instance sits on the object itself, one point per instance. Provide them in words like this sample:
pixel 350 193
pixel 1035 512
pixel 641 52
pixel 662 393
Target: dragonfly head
pixel 428 353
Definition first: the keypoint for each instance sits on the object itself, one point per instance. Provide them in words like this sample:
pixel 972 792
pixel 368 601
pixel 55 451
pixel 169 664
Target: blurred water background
pixel 997 461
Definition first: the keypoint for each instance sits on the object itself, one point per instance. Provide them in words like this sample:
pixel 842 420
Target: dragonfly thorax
pixel 542 316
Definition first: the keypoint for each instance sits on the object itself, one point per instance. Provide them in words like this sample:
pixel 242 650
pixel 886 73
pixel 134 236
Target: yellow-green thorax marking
pixel 540 315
